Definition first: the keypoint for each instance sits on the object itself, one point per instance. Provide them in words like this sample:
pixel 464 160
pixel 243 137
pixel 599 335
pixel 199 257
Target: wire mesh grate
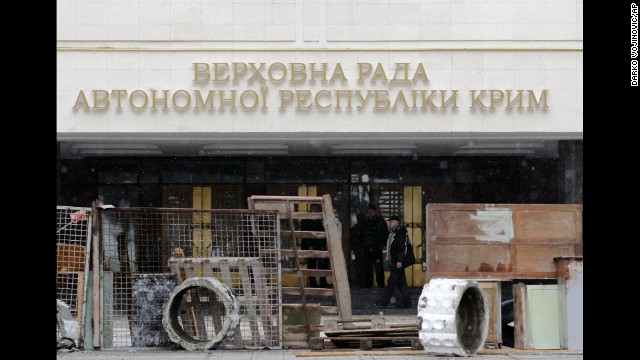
pixel 146 252
pixel 72 235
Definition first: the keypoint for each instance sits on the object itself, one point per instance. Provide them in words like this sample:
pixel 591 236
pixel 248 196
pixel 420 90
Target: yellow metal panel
pixel 306 190
pixel 413 219
pixel 312 190
pixel 416 211
pixel 407 204
pixel 197 203
pixel 206 204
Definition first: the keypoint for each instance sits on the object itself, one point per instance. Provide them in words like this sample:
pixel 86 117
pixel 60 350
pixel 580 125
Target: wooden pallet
pixel 291 210
pixel 372 332
pixel 193 319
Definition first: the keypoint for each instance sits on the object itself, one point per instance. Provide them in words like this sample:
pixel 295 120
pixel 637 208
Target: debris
pixel 69 329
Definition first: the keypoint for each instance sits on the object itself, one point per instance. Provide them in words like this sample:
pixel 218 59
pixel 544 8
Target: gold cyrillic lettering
pixel 477 99
pixel 199 75
pixel 119 97
pixel 317 102
pixel 133 95
pixel 153 99
pixel 204 103
pixel 363 68
pixel 543 98
pixel 104 99
pixel 255 99
pixel 285 99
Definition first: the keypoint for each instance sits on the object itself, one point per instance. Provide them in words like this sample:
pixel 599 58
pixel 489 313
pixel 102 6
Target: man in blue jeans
pixel 396 248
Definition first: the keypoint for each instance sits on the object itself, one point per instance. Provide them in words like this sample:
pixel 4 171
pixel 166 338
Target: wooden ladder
pixel 292 209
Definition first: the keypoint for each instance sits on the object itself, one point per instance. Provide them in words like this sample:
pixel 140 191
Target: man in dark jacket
pixel 373 236
pixel 396 247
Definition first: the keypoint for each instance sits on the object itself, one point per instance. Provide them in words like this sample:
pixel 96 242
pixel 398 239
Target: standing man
pixel 396 247
pixel 373 236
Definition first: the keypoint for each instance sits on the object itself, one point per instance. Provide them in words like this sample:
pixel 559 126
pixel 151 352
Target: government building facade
pixel 398 103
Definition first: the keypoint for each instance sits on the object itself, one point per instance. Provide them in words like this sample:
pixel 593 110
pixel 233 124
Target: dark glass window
pixel 411 172
pixel 118 173
pixel 203 172
pixel 307 171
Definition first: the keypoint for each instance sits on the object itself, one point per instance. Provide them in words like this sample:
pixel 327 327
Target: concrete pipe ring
pixel 200 313
pixel 453 316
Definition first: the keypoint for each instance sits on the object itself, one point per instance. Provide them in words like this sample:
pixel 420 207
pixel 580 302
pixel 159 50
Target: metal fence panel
pixel 72 258
pixel 137 243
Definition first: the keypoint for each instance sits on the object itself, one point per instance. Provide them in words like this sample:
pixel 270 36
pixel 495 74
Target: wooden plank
pixel 293 344
pixel 324 310
pixel 289 290
pixel 226 273
pixel 215 306
pixel 377 323
pixel 357 338
pixel 469 258
pixel 338 264
pixel 261 292
pixel 188 321
pixel 519 315
pixel 280 206
pixel 196 310
pixel 306 215
pixel 373 332
pixel 531 259
pixel 545 226
pixel 307 272
pixel 301 329
pixel 250 306
pixel 316 343
pixel 493 294
pixel 177 267
pixel 307 253
pixel 233 261
pixel 305 234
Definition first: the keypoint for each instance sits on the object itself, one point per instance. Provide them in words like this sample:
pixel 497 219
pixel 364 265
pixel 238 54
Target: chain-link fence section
pixel 146 252
pixel 72 250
